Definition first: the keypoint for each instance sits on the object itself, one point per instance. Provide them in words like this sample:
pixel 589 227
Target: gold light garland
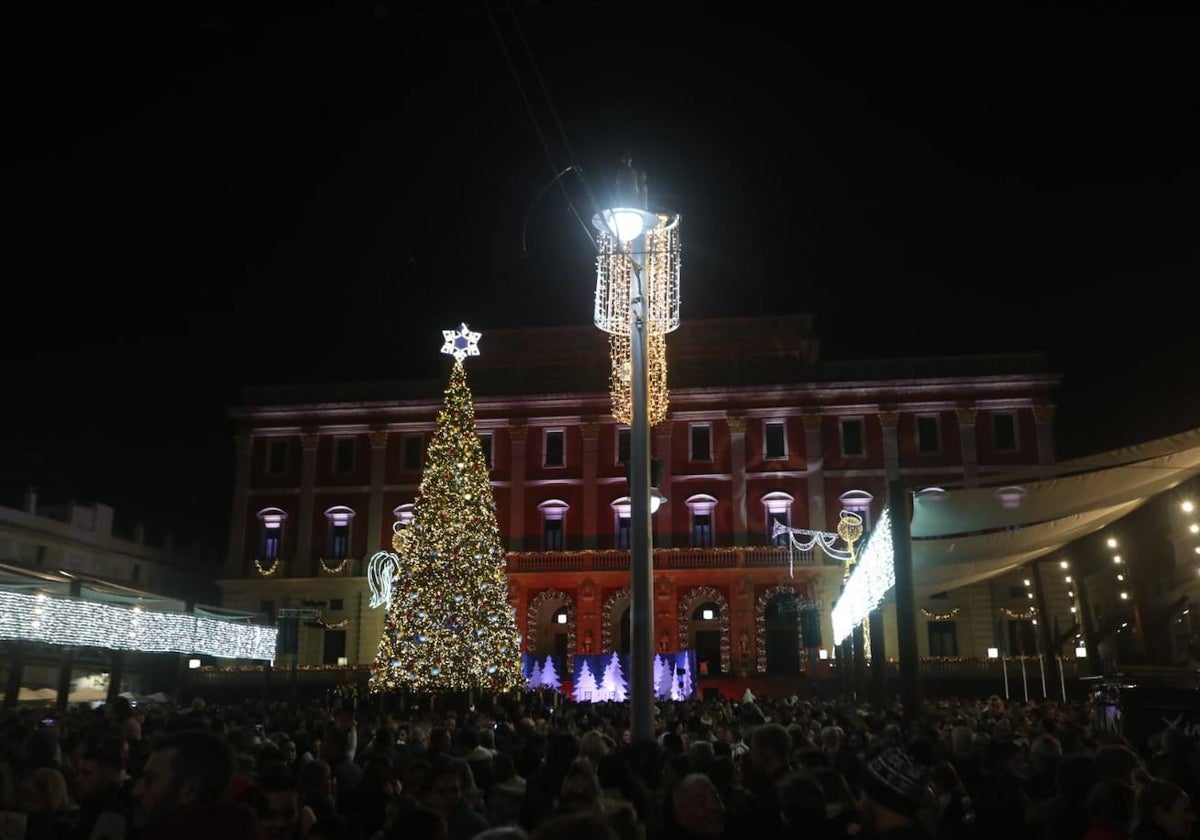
pixel 334 570
pixel 940 616
pixel 1029 613
pixel 267 572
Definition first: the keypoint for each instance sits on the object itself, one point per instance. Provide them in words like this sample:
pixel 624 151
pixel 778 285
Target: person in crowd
pixel 1162 811
pixel 696 810
pixel 443 793
pixel 317 788
pixel 282 815
pixel 180 792
pixel 102 788
pixel 894 790
pixel 764 766
pixel 802 807
pixel 44 799
pixel 1110 810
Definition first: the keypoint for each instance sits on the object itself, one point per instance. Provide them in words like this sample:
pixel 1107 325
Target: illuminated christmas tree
pixel 449 625
pixel 550 678
pixel 585 683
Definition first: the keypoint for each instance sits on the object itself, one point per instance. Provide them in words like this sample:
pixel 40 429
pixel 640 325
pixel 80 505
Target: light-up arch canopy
pixel 968 535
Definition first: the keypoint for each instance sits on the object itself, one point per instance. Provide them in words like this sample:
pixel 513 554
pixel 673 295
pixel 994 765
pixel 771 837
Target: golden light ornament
pixel 266 571
pixel 337 568
pixel 850 529
pixel 616 267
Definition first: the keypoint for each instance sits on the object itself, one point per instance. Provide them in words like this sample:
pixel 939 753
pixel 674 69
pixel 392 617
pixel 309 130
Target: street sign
pixel 308 613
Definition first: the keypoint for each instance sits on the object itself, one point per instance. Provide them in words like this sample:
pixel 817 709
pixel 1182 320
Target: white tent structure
pixel 963 536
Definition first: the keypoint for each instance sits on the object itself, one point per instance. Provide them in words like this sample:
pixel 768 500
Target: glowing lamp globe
pixel 625 223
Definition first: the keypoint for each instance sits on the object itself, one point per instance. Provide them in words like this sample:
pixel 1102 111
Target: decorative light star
pixel 460 343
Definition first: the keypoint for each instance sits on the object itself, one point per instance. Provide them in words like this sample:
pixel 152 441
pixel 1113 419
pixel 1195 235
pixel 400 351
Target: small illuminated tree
pixel 449 625
pixel 550 678
pixel 586 689
pixel 613 685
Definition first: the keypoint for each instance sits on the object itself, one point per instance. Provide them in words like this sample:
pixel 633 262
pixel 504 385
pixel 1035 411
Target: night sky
pixel 222 194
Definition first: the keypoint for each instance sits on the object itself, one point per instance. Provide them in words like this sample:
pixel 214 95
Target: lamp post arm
pixel 557 179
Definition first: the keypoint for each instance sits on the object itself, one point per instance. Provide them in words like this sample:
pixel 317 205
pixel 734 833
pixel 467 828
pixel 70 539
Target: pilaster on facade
pixel 302 566
pixel 1043 418
pixel 235 562
pixel 378 439
pixel 889 421
pixel 737 469
pixel 968 418
pixel 814 453
pixel 516 525
pixel 590 432
pixel 979 603
pixel 662 443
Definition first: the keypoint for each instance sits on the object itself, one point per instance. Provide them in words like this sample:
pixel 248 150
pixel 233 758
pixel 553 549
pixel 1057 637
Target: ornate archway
pixel 606 617
pixel 760 622
pixel 688 603
pixel 533 617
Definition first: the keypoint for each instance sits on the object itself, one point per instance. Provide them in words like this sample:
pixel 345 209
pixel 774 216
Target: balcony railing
pixel 615 560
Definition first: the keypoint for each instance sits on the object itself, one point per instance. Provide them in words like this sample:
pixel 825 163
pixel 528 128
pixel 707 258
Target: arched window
pixel 337 544
pixel 554 513
pixel 403 514
pixel 701 508
pixel 858 501
pixel 777 507
pixel 621 522
pixel 270 533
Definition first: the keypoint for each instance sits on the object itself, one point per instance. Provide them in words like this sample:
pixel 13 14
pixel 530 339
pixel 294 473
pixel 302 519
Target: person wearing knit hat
pixel 894 788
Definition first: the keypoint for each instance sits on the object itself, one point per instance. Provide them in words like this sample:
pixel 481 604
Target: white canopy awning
pixel 963 536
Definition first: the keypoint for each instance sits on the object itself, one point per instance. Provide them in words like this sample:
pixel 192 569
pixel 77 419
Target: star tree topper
pixel 460 343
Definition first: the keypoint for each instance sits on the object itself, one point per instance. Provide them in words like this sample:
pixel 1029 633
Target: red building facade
pixel 759 431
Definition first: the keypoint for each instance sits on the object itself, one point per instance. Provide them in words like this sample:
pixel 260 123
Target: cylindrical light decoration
pixel 615 266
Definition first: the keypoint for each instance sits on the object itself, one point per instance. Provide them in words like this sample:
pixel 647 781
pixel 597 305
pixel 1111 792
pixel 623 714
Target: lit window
pixel 403 514
pixel 701 442
pixel 338 543
pixel 554 449
pixel 853 445
pixel 859 502
pixel 1004 431
pixel 777 509
pixel 343 454
pixel 621 513
pixel 943 639
pixel 554 512
pixel 271 533
pixel 774 440
pixel 929 441
pixel 701 508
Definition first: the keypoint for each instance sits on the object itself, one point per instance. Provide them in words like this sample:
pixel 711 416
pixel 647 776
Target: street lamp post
pixel 637 303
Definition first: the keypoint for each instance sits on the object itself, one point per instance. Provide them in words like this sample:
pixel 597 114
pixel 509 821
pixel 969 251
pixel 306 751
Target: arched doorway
pixel 704 628
pixel 615 615
pixel 777 614
pixel 550 629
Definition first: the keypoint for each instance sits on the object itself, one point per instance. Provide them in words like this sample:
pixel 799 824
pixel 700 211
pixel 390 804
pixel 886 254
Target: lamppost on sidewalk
pixel 637 304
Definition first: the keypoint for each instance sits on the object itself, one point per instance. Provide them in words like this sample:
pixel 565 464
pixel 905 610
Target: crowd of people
pixel 532 767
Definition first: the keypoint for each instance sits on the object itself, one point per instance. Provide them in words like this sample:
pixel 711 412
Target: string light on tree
pixel 449 624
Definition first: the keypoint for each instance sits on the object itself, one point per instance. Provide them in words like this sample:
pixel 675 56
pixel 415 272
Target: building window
pixel 554 512
pixel 853 445
pixel 412 452
pixel 1004 431
pixel 267 608
pixel 943 641
pixel 858 502
pixel 403 514
pixel 701 508
pixel 774 440
pixel 334 647
pixel 343 454
pixel 335 604
pixel 701 442
pixel 555 455
pixel 623 444
pixel 485 443
pixel 271 533
pixel 777 508
pixel 277 457
pixel 621 513
pixel 337 544
pixel 929 441
pixel 1022 638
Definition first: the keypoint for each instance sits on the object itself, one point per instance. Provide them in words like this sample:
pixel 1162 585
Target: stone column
pixel 737 473
pixel 590 432
pixel 303 565
pixel 516 493
pixel 235 560
pixel 878 683
pixel 967 418
pixel 814 456
pixel 662 520
pixel 890 423
pixel 1043 416
pixel 378 438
